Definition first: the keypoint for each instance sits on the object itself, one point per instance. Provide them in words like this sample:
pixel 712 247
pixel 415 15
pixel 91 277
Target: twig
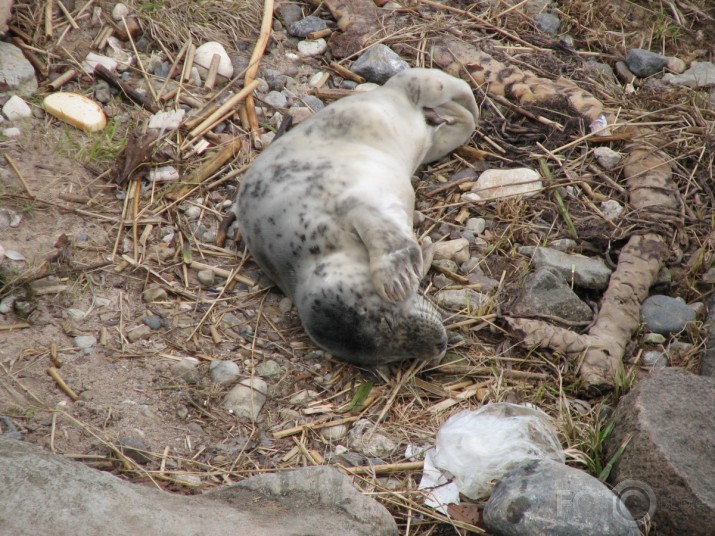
pixel 252 70
pixel 383 468
pixel 14 167
pixel 312 426
pixel 230 104
pixel 52 371
pixel 128 91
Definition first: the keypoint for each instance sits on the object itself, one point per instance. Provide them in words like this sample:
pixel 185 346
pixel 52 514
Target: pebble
pixel 206 277
pixel 135 449
pixel 607 157
pixel 119 11
pixel 446 264
pixel 675 65
pixel 85 341
pixel 586 272
pixel 655 359
pixel 154 293
pixel 152 321
pixel 456 250
pixel 666 315
pixel 289 12
pixel 276 80
pixel 303 397
pixel 76 314
pixel 499 183
pixel 247 398
pixel 563 244
pixel 139 333
pixel 378 64
pixel 653 338
pixel 476 225
pixel 269 369
pixel 548 23
pixel 367 86
pixel 192 212
pixel 334 433
pixel 16 108
pixel 276 99
pixel 223 372
pixel 547 497
pixel 186 369
pixel 700 74
pixel 102 92
pixel 612 209
pixel 205 53
pixel 315 80
pixel 12 132
pixel 645 63
pixel 167 120
pixel 187 480
pixel 545 293
pixel 364 440
pixel 285 305
pixel 458 299
pixel 301 28
pixel 311 47
pixel 16 73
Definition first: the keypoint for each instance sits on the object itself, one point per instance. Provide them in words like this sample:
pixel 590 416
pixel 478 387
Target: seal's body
pixel 326 212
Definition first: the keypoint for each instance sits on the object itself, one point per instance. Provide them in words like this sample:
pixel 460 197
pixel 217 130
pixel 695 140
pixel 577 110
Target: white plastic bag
pixel 478 447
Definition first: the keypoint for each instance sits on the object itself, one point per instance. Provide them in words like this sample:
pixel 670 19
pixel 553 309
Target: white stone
pixel 612 209
pixel 223 372
pixel 204 55
pixel 247 398
pixel 455 250
pixel 607 157
pixel 675 65
pixel 163 174
pixel 502 183
pixel 16 108
pixel 12 132
pixel 315 79
pixel 459 299
pixel 206 277
pixel 373 444
pixel 367 86
pixel 476 225
pixel 76 110
pixel 92 60
pixel 700 74
pixel 311 47
pixel 334 433
pixel 169 119
pixel 119 11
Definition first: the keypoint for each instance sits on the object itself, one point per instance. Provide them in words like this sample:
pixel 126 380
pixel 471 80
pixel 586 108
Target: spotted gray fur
pixel 326 212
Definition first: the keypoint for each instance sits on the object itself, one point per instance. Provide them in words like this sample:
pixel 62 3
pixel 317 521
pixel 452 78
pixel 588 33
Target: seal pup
pixel 326 212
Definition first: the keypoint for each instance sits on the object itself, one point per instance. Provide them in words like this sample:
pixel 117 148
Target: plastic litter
pixel 476 448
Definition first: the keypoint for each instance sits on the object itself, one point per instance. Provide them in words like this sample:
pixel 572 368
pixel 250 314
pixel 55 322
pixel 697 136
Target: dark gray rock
pixel 276 99
pixel 276 80
pixel 546 294
pixel 313 500
pixel 707 359
pixel 16 73
pixel 378 64
pixel 135 449
pixel 644 62
pixel 153 321
pixel 289 12
pixel 665 315
pixel 547 23
pixel 547 497
pixel 667 467
pixel 313 102
pixel 303 27
pixel 585 272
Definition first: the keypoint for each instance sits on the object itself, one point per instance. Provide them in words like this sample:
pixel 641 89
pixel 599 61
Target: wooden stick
pixel 213 71
pixel 258 50
pixel 312 426
pixel 61 80
pixel 128 91
pixel 215 117
pixel 189 63
pixel 383 468
pixel 13 165
pixel 222 273
pixel 55 374
pixel 12 327
pixel 346 73
pixel 68 15
pixel 48 18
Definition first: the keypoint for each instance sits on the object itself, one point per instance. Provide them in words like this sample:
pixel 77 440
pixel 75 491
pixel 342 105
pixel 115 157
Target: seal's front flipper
pixel 395 256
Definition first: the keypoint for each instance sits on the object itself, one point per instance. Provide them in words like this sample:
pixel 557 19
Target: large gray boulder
pixel 667 469
pixel 41 493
